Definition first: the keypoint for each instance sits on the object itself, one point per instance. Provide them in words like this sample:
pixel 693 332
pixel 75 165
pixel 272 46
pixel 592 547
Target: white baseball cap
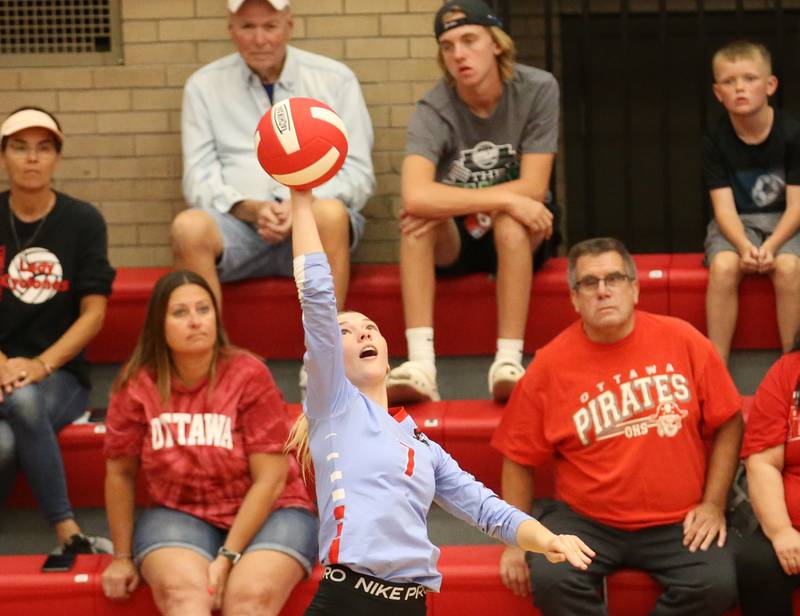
pixel 278 5
pixel 30 118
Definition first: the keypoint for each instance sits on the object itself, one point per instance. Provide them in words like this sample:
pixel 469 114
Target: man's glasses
pixel 590 284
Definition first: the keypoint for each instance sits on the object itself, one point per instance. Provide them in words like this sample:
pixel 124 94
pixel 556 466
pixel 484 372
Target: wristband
pixel 232 556
pixel 121 555
pixel 47 367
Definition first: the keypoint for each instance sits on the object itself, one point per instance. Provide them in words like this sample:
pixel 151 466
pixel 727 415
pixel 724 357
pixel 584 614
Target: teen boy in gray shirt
pixel 479 153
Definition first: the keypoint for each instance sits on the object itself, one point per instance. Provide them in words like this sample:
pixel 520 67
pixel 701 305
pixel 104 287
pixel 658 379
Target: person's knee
pixel 332 217
pixel 725 268
pixel 252 596
pixel 176 591
pixel 192 231
pixel 716 585
pixel 787 272
pixel 510 235
pixel 7 447
pixel 555 586
pixel 24 408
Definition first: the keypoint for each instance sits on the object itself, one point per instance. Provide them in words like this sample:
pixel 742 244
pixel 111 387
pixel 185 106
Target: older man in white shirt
pixel 239 224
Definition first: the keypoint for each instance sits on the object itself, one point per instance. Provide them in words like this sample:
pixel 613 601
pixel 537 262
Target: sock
pixel 509 349
pixel 420 347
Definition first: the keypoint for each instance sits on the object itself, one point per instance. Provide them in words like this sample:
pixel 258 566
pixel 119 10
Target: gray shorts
pixel 246 255
pixel 757 227
pixel 291 530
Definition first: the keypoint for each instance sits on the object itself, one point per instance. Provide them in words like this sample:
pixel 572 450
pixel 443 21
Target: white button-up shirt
pixel 222 105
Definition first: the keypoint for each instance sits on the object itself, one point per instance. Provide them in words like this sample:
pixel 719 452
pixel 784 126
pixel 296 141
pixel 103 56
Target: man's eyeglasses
pixel 590 284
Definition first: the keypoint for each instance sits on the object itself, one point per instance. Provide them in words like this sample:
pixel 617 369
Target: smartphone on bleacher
pixel 58 563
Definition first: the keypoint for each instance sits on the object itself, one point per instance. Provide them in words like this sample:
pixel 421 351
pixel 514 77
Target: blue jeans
pixel 30 419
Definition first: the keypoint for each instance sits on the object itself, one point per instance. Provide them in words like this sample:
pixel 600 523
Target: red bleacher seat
pixel 79 592
pixel 471 587
pixel 756 326
pixel 85 466
pixel 463 427
pixel 25 590
pixel 263 314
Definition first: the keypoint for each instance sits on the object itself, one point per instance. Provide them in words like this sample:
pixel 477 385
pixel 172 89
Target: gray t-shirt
pixel 474 152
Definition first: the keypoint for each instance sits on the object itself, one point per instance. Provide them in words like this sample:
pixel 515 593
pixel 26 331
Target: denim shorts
pixel 246 255
pixel 290 530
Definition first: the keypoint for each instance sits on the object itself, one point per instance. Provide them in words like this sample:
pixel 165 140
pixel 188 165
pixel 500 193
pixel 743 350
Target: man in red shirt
pixel 623 401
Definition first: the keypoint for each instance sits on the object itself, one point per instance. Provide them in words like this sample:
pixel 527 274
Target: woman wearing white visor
pixel 54 286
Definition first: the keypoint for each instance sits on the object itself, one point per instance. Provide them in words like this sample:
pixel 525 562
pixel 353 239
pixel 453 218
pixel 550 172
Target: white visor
pixel 278 5
pixel 30 118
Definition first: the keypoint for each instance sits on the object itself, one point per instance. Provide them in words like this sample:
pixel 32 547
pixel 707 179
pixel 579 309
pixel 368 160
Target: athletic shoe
pixel 503 375
pixel 302 382
pixel 411 382
pixel 85 544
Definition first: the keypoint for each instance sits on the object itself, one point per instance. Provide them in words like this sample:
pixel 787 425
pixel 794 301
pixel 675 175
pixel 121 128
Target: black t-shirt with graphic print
pixel 46 273
pixel 758 174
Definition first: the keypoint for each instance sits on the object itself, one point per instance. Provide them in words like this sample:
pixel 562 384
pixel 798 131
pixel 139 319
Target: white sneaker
pixel 503 375
pixel 411 382
pixel 302 382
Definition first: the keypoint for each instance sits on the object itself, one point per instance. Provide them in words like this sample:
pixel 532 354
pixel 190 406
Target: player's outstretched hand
pixel 571 549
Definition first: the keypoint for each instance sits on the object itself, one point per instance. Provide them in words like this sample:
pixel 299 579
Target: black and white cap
pixel 475 12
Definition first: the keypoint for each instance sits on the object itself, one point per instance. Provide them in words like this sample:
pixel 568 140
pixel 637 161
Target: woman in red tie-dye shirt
pixel 231 524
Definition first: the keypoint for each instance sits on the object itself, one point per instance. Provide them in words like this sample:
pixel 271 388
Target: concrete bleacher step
pixel 263 314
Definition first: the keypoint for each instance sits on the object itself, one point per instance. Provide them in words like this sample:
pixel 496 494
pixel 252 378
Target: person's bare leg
pixel 196 246
pixel 261 583
pixel 514 246
pixel 722 300
pixel 786 280
pixel 178 578
pixel 333 223
pixel 415 380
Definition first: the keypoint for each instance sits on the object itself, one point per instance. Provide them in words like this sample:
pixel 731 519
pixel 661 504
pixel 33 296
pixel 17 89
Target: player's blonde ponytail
pixel 297 443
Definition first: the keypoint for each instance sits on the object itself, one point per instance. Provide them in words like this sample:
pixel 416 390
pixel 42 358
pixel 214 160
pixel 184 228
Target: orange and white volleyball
pixel 301 143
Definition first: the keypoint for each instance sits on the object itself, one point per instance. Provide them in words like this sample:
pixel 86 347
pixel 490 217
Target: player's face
pixel 742 86
pixel 605 309
pixel 261 34
pixel 30 158
pixel 366 357
pixel 470 55
pixel 190 326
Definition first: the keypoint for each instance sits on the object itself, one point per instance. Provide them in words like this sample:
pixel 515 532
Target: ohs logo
pixel 34 276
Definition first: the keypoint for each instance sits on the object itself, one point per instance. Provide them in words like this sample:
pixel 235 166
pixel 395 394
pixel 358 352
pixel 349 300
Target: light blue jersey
pixel 376 475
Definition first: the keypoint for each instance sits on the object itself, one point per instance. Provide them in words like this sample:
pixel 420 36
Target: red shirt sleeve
pixel 719 399
pixel 767 425
pixel 521 435
pixel 125 421
pixel 263 415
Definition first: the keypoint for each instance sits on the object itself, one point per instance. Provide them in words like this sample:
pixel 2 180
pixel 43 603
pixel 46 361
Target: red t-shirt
pixel 774 420
pixel 624 422
pixel 194 451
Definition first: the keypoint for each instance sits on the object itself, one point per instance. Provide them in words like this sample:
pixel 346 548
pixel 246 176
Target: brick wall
pixel 123 122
